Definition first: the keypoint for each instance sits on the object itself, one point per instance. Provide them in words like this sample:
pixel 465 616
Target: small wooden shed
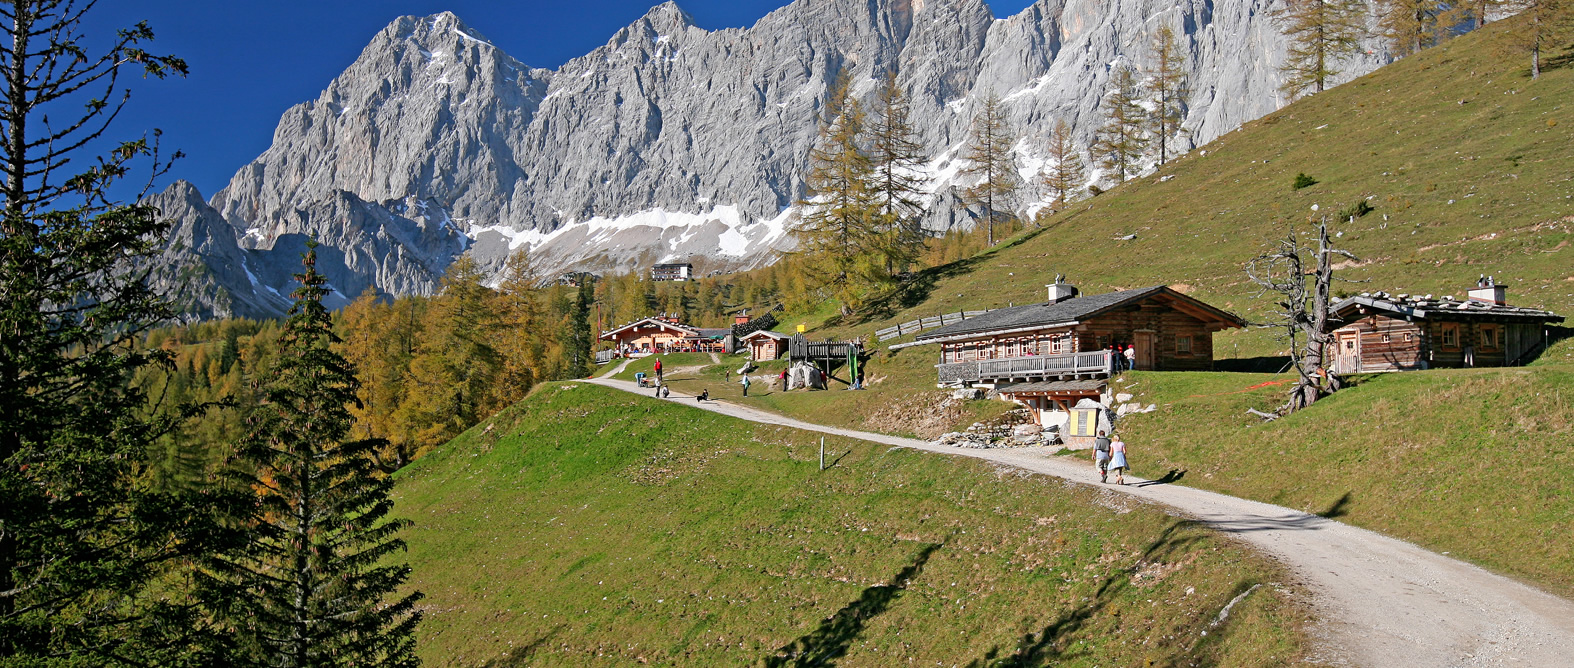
pixel 764 345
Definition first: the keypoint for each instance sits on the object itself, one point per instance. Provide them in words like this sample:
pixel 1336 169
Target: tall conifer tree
pixel 1322 33
pixel 315 587
pixel 1066 175
pixel 88 539
pixel 838 230
pixel 1544 25
pixel 1121 143
pixel 896 156
pixel 521 345
pixel 990 154
pixel 1412 25
pixel 576 338
pixel 1167 91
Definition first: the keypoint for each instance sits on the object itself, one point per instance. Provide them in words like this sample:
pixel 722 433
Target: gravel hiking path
pixel 1380 601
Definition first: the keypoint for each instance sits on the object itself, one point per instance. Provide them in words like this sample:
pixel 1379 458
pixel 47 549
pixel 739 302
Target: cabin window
pixel 1385 337
pixel 1409 337
pixel 1057 344
pixel 1183 345
pixel 1489 337
pixel 1450 335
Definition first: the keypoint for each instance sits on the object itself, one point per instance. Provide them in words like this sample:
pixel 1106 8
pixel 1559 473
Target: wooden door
pixel 1348 357
pixel 1143 341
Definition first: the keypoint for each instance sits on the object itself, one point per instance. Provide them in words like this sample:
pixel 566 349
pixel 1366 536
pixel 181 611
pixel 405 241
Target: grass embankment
pixel 586 525
pixel 1474 463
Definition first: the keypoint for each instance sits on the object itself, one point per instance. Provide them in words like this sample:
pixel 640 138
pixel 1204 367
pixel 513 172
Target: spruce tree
pixel 1322 33
pixel 1167 91
pixel 314 587
pixel 838 230
pixel 90 543
pixel 1066 176
pixel 990 154
pixel 897 156
pixel 576 338
pixel 1121 143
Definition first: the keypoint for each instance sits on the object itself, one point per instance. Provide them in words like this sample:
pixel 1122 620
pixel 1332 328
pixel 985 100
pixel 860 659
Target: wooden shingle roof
pixel 1070 311
pixel 1444 308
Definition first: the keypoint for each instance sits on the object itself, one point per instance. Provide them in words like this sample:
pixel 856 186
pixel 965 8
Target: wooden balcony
pixel 1068 366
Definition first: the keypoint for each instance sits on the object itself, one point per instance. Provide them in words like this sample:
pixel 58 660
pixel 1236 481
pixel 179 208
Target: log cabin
pixel 1052 356
pixel 1385 332
pixel 1070 337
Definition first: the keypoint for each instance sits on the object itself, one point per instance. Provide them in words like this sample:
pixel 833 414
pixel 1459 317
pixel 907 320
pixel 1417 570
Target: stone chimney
pixel 1060 290
pixel 1488 290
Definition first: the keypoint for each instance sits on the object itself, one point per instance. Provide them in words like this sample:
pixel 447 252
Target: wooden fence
pixel 922 324
pixel 800 349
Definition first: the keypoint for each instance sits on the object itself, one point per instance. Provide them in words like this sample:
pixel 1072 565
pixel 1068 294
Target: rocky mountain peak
pixel 673 143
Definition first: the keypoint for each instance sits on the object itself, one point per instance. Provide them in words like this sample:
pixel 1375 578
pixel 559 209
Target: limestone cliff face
pixel 671 142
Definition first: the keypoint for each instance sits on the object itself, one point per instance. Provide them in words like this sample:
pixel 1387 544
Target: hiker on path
pixel 1117 460
pixel 1116 358
pixel 745 385
pixel 665 391
pixel 704 395
pixel 1101 446
pixel 658 389
pixel 1131 358
pixel 658 372
pixel 783 379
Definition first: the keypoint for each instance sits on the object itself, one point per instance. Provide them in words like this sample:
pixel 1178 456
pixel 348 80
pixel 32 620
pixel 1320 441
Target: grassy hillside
pixel 1464 160
pixel 590 526
pixel 1473 462
pixel 1465 163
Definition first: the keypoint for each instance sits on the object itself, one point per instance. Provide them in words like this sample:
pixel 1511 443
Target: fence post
pixel 822 453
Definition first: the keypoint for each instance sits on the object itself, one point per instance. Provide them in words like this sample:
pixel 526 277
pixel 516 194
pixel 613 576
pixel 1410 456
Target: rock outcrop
pixel 671 142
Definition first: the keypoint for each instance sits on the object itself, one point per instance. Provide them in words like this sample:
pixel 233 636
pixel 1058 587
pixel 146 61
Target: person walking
pixel 1117 459
pixel 1101 446
pixel 1116 359
pixel 1131 358
pixel 658 389
pixel 658 372
pixel 745 385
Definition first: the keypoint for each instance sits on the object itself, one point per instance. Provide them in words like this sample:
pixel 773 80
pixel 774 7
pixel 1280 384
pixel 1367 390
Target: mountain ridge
pixel 671 142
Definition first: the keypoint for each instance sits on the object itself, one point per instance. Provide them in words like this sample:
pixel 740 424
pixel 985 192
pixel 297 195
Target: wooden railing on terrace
pixel 1095 364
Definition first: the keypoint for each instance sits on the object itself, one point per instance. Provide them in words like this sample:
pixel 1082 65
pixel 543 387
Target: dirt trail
pixel 1380 601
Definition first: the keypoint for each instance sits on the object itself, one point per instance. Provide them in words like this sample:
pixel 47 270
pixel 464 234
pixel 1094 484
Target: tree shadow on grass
pixel 917 290
pixel 1339 508
pixel 520 656
pixel 1054 643
pixel 827 643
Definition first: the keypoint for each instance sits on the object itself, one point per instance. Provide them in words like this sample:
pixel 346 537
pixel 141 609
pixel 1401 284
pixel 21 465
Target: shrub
pixel 1360 208
pixel 1302 180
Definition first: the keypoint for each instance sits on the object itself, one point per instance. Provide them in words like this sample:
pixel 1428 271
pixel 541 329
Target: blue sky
pixel 250 60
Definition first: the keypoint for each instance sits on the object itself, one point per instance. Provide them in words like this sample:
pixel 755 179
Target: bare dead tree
pixel 1303 310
